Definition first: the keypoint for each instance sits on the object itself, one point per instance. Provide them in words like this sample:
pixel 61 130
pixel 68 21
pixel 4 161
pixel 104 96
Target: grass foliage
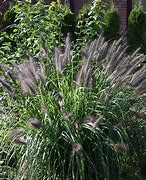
pixel 66 123
pixel 65 116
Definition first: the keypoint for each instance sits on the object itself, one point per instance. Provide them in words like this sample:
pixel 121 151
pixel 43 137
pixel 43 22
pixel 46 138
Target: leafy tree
pixel 112 24
pixel 136 29
pixel 90 21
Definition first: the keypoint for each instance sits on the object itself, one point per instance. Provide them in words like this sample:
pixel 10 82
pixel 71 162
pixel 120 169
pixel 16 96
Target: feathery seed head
pixel 35 123
pixel 67 116
pixel 17 137
pixel 19 141
pixel 44 109
pixel 76 148
pixel 89 119
pixel 120 147
pixel 58 97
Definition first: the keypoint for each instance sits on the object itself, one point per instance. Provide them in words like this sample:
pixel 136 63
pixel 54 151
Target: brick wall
pixel 4 5
pixel 78 4
pixel 123 12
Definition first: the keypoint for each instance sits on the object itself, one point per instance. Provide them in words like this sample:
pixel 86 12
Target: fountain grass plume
pixel 114 59
pixel 62 59
pixel 69 108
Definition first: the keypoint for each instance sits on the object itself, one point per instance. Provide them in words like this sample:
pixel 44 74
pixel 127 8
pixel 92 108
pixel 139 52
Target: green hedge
pixel 112 24
pixel 68 24
pixel 137 29
pixel 8 20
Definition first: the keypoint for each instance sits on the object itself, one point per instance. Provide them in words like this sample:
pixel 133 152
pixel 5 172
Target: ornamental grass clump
pixel 69 110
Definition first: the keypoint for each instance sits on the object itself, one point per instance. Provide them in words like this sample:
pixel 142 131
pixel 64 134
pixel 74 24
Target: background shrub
pixel 34 26
pixel 90 22
pixel 69 25
pixel 8 19
pixel 111 24
pixel 136 29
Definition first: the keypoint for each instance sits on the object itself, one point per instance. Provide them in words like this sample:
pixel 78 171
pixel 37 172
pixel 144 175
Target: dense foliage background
pixel 72 104
pixel 136 28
